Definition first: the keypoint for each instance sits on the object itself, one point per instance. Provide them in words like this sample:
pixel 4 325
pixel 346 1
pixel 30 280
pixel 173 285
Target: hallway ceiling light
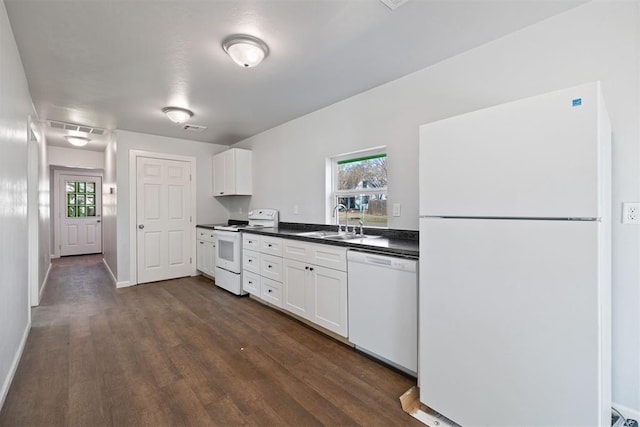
pixel 246 51
pixel 177 114
pixel 78 141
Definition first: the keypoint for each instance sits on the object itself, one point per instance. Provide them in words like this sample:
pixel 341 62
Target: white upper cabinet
pixel 232 173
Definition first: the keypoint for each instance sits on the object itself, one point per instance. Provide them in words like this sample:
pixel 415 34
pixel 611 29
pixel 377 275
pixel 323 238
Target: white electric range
pixel 229 248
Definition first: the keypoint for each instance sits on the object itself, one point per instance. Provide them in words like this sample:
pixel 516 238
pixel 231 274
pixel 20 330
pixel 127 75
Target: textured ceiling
pixel 116 64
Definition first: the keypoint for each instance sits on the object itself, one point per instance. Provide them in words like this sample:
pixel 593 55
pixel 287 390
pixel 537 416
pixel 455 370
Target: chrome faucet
pixel 361 224
pixel 339 207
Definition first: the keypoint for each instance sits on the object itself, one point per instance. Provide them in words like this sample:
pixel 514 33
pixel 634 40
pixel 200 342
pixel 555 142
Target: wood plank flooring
pixel 184 352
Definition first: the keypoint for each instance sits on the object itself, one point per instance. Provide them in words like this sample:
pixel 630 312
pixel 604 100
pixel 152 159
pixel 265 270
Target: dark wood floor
pixel 184 352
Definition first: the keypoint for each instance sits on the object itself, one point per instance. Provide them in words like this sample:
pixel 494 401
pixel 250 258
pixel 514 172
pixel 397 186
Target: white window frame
pixel 332 171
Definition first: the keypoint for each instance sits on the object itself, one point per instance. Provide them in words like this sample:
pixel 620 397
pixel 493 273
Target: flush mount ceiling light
pixel 246 51
pixel 78 141
pixel 177 114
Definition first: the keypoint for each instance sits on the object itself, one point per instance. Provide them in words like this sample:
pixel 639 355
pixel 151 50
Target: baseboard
pixel 627 412
pixel 14 366
pixel 124 284
pixel 44 283
pixel 113 278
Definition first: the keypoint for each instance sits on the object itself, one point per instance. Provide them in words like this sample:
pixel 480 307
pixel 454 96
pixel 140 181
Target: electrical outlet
pixel 296 211
pixel 631 213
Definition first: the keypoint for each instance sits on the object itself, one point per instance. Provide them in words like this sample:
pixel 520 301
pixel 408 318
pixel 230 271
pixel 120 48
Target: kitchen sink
pixel 352 236
pixel 318 234
pixel 341 237
pixel 334 235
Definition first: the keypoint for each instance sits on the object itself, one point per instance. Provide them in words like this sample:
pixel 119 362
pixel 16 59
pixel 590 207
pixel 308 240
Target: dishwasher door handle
pixel 379 261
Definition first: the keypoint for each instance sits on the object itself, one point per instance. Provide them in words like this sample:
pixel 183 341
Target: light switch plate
pixel 396 209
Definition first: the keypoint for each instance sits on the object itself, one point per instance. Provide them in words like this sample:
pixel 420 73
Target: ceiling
pixel 114 64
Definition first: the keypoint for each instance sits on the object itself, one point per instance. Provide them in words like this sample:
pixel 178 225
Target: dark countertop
pixel 392 242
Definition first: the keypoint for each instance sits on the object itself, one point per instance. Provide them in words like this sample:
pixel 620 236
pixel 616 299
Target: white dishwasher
pixel 383 308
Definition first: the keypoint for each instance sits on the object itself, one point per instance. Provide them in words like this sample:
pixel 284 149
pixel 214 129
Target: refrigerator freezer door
pixel 509 322
pixel 537 157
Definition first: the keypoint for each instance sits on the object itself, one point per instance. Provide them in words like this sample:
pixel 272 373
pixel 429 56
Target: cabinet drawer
pixel 251 241
pixel 251 261
pixel 297 250
pixel 251 282
pixel 330 257
pixel 205 234
pixel 272 291
pixel 317 254
pixel 271 267
pixel 271 245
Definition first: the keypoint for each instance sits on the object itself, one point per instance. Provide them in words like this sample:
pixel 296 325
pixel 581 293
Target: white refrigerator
pixel 515 271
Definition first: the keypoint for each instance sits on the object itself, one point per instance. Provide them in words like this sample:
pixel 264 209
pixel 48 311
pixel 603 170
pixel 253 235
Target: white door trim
pixel 133 188
pixel 57 172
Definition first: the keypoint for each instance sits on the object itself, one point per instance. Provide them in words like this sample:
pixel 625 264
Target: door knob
pixel 141 226
pixel 98 221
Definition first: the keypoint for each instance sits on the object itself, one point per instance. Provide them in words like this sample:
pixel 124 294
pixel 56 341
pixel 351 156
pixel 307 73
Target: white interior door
pixel 164 220
pixel 80 204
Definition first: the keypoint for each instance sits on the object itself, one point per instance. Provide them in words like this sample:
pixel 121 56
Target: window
pixel 81 199
pixel 359 182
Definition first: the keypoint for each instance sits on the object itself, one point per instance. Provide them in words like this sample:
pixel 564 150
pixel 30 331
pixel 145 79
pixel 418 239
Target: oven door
pixel 228 250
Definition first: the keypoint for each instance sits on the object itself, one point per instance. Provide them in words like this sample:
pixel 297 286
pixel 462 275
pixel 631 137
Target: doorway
pixel 77 212
pixel 80 215
pixel 163 198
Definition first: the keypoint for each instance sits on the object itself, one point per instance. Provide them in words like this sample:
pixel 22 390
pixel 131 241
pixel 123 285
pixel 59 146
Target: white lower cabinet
pixel 205 251
pixel 272 291
pixel 330 299
pixel 312 290
pixel 305 279
pixel 251 282
pixel 262 267
pixel 297 288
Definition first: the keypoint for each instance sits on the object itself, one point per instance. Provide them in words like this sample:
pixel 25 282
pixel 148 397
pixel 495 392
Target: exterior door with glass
pixel 80 215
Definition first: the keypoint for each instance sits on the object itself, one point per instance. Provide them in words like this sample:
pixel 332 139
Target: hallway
pixel 184 352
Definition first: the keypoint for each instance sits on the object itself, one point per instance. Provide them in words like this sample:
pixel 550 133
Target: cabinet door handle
pixel 306 267
pixel 202 243
pixel 270 290
pixel 310 268
pixel 269 266
pixel 269 245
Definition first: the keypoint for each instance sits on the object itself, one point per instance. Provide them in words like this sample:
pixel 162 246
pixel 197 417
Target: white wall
pixel 75 158
pixel 208 209
pixel 596 41
pixel 109 208
pixel 15 107
pixel 44 219
pixel 38 214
